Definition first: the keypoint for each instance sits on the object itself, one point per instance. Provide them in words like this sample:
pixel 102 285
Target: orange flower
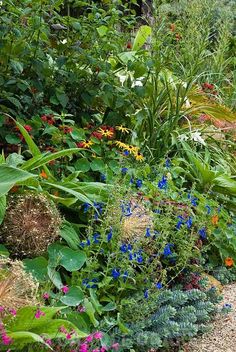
pixel 172 27
pixel 214 220
pixel 229 262
pixel 43 174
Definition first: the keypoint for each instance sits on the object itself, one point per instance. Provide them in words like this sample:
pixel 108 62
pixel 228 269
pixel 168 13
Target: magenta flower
pixel 6 340
pixel 98 335
pixel 89 338
pixel 46 295
pixel 115 346
pixel 39 314
pixel 12 312
pixel 83 347
pixel 96 350
pixel 65 289
pixel 1 309
pixel 68 336
pixel 103 349
pixel 49 342
pixel 63 329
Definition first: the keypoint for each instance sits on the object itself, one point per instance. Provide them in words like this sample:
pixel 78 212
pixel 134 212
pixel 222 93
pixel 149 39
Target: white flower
pixel 183 137
pixel 196 136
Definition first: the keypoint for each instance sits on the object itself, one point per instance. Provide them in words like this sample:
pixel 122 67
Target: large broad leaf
pixel 68 258
pixel 38 267
pixel 2 208
pixel 73 298
pixel 52 329
pixel 226 184
pixel 9 176
pixel 25 319
pixel 143 33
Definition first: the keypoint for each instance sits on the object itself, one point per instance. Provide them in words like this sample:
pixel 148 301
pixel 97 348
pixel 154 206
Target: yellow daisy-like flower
pixel 132 149
pixel 123 129
pixel 120 144
pixel 85 144
pixel 105 133
pixel 139 157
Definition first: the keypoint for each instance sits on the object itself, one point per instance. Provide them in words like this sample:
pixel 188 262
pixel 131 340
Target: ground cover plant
pixel 117 172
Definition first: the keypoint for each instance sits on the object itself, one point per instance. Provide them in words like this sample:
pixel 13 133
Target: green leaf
pixel 17 66
pixel 55 277
pixel 45 159
pixel 9 176
pixel 38 267
pixel 72 260
pixel 62 98
pixel 53 327
pixel 82 165
pixel 143 33
pixel 15 101
pixel 76 194
pixel 4 250
pixel 97 165
pixel 102 30
pixel 12 139
pixel 69 234
pixel 73 298
pixel 22 338
pixel 2 208
pixel 90 311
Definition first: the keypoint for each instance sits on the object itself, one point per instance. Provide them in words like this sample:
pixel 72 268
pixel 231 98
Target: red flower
pixel 96 134
pixel 28 128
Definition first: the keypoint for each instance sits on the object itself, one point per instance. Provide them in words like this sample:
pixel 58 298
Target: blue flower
pixel 162 184
pixel 109 235
pixel 125 276
pixel 126 153
pixel 96 237
pixel 124 170
pixel 130 256
pixel 148 233
pixel 157 211
pixel 115 273
pixel 140 259
pixel 180 222
pixel 189 222
pixel 129 247
pixel 139 183
pixel 99 208
pixel 158 285
pixel 167 251
pixel 208 209
pixel 88 242
pixel 131 180
pixel 168 163
pixel 123 248
pixel 146 294
pixel 85 282
pixel 202 233
pixel 194 201
pixel 103 177
pixel 86 206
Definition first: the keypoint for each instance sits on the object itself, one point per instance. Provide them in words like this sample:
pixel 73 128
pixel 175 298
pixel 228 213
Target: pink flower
pixel 49 342
pixel 89 338
pixel 96 350
pixel 103 349
pixel 12 312
pixel 115 346
pixel 98 335
pixel 83 347
pixel 81 309
pixel 39 314
pixel 46 295
pixel 63 329
pixel 68 336
pixel 6 340
pixel 1 309
pixel 65 289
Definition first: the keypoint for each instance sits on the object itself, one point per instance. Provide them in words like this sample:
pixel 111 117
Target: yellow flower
pixel 123 129
pixel 106 133
pixel 132 149
pixel 139 156
pixel 84 144
pixel 120 144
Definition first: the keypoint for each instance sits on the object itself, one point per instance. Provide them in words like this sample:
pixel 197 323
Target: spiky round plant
pixel 31 223
pixel 135 224
pixel 17 288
